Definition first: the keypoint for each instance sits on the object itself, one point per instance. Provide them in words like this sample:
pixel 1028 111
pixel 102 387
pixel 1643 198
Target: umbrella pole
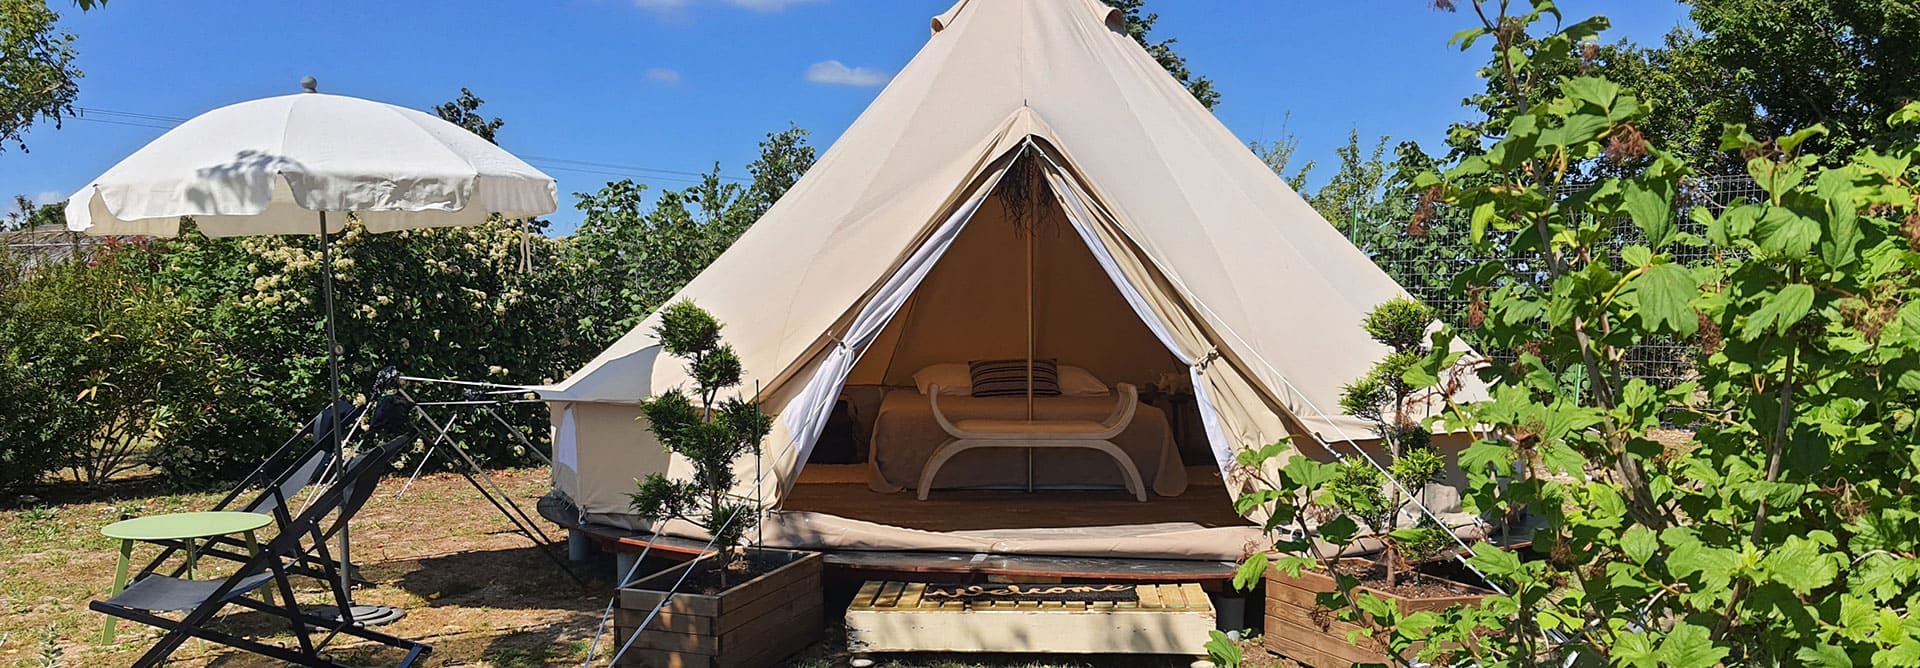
pixel 333 402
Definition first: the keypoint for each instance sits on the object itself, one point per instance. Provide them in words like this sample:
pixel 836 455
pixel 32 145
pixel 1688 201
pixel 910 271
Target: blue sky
pixel 594 90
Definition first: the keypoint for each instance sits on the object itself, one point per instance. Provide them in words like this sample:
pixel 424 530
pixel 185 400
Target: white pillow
pixel 1078 382
pixel 953 378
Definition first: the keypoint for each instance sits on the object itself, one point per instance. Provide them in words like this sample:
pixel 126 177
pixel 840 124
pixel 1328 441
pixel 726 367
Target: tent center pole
pixel 1030 232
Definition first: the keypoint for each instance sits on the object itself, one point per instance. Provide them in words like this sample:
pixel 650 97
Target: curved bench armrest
pixel 1123 409
pixel 933 401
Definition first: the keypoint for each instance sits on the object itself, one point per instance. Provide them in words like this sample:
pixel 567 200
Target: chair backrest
pixel 363 475
pixel 305 468
pixel 305 471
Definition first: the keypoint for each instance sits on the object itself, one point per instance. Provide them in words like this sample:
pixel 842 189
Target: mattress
pixel 905 436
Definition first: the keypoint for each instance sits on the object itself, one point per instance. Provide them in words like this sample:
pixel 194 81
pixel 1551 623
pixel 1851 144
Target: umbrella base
pixel 365 615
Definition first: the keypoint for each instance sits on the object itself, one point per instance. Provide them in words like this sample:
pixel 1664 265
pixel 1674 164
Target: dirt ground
pixel 472 587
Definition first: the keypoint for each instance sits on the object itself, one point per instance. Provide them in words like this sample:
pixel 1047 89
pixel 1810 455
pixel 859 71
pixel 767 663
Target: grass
pixel 472 588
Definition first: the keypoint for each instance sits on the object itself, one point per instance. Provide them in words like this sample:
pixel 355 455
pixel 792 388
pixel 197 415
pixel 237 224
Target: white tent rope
pixel 607 615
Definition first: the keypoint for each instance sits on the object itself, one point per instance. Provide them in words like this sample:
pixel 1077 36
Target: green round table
pixel 185 527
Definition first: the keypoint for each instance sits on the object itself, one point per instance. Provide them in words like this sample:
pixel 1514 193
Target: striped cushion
pixel 1008 378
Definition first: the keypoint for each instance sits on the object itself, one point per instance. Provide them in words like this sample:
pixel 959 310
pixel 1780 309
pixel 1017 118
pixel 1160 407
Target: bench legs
pixel 957 446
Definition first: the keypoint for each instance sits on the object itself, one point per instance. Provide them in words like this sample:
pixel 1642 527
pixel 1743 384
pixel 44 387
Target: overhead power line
pixel 163 122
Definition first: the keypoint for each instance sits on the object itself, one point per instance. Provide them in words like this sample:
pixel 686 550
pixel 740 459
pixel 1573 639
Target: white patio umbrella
pixel 279 165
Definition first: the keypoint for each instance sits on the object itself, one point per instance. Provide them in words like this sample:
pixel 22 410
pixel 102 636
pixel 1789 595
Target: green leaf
pixel 1792 141
pixel 1736 138
pixel 1251 571
pixel 1907 115
pixel 1781 311
pixel 1482 213
pixel 1842 223
pixel 1339 530
pixel 1688 646
pixel 1783 232
pixel 1800 565
pixel 1636 255
pixel 1636 650
pixel 1666 292
pixel 1596 91
pixel 1639 543
pixel 1466 38
pixel 1824 656
pixel 1495 561
pixel 1650 205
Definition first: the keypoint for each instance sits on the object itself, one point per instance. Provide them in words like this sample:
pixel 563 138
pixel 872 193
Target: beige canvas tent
pixel 1163 247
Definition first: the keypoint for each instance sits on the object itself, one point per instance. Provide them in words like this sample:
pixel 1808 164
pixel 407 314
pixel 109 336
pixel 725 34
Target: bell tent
pixel 1032 185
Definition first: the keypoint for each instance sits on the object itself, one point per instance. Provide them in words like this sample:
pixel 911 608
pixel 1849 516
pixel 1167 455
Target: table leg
pixel 119 582
pixel 191 557
pixel 253 549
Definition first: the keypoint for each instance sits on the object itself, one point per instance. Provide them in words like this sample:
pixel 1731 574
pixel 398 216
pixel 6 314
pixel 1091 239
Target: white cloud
pixel 768 5
pixel 661 5
pixel 49 197
pixel 663 75
pixel 837 73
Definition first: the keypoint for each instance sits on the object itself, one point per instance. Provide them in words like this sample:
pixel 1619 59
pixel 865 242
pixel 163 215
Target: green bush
pixel 35 432
pixel 106 361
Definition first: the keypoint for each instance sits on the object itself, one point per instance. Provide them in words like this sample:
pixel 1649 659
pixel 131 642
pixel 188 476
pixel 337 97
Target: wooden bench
pixel 989 433
pixel 892 616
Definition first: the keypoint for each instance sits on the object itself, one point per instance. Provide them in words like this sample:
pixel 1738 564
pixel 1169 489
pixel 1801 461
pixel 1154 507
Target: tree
pixel 640 257
pixel 1278 155
pixel 1785 532
pixel 38 80
pixel 1139 25
pixel 1845 64
pixel 711 434
pixel 27 215
pixel 39 429
pixel 1357 196
pixel 464 112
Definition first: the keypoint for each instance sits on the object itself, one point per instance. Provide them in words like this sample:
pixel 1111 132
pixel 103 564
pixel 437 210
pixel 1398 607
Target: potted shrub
pixel 1323 606
pixel 735 606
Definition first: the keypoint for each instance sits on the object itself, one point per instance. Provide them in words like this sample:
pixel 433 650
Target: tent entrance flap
pixel 806 415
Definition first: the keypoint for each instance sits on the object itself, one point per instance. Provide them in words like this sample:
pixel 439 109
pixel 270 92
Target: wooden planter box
pixel 753 624
pixel 1300 629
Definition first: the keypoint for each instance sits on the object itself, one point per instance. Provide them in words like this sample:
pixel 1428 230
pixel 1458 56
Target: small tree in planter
pixel 1382 396
pixel 739 612
pixel 712 433
pixel 1307 581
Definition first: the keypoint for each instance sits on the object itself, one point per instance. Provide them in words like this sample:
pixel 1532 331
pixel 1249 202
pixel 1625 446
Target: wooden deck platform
pixel 956 567
pixel 1205 504
pixel 891 616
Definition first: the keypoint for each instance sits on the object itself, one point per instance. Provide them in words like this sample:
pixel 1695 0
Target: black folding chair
pixel 300 462
pixel 299 547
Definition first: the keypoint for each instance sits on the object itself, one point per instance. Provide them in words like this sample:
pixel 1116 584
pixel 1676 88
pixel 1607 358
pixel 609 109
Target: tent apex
pixel 1113 18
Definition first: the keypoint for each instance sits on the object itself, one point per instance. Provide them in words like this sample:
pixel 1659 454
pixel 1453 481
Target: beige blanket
pixel 905 436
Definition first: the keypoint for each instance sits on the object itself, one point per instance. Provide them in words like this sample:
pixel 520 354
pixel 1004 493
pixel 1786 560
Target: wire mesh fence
pixel 1427 269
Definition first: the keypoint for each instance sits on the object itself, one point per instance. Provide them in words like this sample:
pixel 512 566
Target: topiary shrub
pixel 708 431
